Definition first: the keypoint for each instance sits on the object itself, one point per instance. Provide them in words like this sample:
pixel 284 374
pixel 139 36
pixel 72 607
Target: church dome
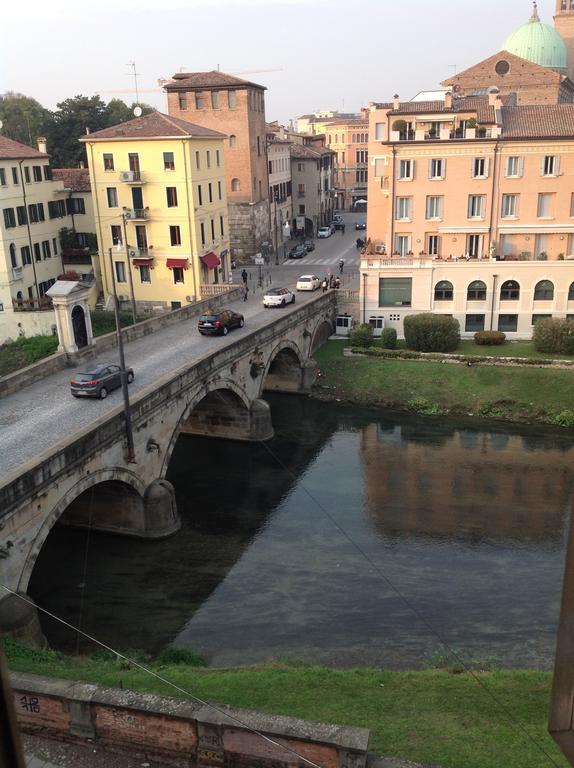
pixel 537 42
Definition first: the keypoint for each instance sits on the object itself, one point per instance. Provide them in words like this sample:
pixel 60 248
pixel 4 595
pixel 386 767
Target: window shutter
pixel 557 165
pixel 487 167
pixel 413 168
pixel 443 168
pixel 430 169
pixel 440 204
pixel 520 166
pixel 472 167
pixel 542 159
pixel 379 167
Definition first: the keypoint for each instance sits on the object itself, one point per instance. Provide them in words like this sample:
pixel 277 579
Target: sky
pixel 324 54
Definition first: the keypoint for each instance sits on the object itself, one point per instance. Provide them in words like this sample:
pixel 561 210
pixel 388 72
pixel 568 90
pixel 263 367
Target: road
pixel 44 413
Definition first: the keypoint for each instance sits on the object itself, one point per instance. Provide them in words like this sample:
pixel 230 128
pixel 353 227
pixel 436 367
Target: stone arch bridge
pixel 87 479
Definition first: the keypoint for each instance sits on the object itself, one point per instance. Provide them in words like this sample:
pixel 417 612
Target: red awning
pixel 211 260
pixel 180 263
pixel 142 262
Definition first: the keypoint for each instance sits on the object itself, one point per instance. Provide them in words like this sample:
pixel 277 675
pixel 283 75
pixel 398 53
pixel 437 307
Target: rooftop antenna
pixel 138 109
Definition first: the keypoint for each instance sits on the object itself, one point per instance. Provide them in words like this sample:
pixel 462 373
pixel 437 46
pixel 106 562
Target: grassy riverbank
pixel 25 351
pixel 526 395
pixel 430 716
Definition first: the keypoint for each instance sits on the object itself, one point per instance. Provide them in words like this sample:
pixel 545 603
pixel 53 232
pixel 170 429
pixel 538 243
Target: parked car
pixel 298 251
pixel 308 283
pixel 338 223
pixel 278 297
pixel 219 323
pixel 325 232
pixel 360 225
pixel 99 381
pixel 309 245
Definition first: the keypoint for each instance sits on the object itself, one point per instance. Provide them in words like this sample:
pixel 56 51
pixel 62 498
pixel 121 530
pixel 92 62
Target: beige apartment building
pixel 312 173
pixel 236 108
pixel 280 189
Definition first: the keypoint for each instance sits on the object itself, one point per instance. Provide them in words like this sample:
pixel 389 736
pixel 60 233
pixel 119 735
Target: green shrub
pixel 489 338
pixel 432 333
pixel 388 338
pixel 563 419
pixel 554 336
pixel 36 347
pixel 181 656
pixel 400 125
pixel 362 335
pixel 104 322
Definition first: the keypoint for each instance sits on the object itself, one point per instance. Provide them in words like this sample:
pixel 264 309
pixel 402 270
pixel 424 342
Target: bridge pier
pixel 221 414
pixel 309 375
pixel 19 619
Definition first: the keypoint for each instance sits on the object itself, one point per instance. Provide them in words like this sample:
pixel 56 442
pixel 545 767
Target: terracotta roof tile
pixel 304 152
pixel 76 179
pixel 213 79
pixel 538 121
pixel 13 150
pixel 478 104
pixel 156 125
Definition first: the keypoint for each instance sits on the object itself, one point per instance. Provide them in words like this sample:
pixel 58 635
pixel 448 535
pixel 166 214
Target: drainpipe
pixel 492 302
pixel 192 223
pixel 365 278
pixel 494 200
pixel 101 251
pixel 32 255
pixel 392 243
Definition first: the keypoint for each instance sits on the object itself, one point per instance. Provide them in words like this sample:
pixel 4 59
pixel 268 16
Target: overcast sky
pixel 329 54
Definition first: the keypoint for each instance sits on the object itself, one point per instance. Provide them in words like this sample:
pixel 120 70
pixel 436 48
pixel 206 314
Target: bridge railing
pixel 215 290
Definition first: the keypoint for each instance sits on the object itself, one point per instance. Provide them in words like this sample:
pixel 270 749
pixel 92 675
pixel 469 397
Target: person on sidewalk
pixel 245 291
pixel 341 265
pixel 244 276
pixel 325 284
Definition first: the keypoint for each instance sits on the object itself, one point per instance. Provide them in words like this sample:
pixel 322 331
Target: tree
pixel 24 118
pixel 71 119
pixel 119 112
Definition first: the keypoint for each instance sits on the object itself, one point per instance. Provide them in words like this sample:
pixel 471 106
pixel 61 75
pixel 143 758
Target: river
pixel 354 537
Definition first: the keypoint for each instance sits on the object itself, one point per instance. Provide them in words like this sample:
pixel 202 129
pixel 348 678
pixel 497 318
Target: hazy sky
pixel 330 54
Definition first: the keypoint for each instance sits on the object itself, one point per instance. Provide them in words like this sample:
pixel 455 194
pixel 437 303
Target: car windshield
pixel 208 318
pixel 86 376
pixel 274 291
pixel 304 279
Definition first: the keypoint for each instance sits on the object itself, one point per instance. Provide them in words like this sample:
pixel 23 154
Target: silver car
pixel 99 381
pixel 278 297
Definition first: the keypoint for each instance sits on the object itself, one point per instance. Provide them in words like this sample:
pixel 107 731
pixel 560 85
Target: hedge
pixel 362 335
pixel 554 335
pixel 489 338
pixel 432 333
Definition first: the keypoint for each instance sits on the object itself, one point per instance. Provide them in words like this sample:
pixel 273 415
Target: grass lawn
pixel 509 349
pixel 25 351
pixel 430 716
pixel 542 395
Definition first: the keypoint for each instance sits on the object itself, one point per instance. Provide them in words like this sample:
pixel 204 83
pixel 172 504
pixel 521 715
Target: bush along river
pixel 338 542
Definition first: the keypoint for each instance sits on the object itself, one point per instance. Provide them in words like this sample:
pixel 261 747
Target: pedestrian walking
pixel 337 282
pixel 230 278
pixel 331 281
pixel 341 266
pixel 325 284
pixel 244 276
pixel 245 291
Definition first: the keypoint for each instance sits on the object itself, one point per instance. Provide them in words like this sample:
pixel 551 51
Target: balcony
pixel 17 273
pixel 132 177
pixel 77 256
pixel 43 304
pixel 143 252
pixel 136 214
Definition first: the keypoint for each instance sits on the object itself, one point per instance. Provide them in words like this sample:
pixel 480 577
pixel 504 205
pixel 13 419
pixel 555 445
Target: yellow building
pixel 160 205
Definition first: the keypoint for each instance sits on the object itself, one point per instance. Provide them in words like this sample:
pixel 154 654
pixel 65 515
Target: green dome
pixel 537 42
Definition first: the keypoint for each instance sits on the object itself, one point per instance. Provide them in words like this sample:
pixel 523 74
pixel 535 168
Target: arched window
pixel 443 291
pixel 509 291
pixel 232 141
pixel 235 185
pixel 13 255
pixel 571 292
pixel 544 291
pixel 476 291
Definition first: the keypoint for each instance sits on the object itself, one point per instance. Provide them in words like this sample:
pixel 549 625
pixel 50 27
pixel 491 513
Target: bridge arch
pixel 323 329
pixel 118 479
pixel 283 371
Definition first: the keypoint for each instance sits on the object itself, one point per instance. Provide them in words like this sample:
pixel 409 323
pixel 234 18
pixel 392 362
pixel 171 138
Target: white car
pixel 278 297
pixel 308 283
pixel 324 232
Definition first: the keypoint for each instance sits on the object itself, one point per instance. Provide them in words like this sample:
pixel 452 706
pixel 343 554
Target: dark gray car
pixel 99 381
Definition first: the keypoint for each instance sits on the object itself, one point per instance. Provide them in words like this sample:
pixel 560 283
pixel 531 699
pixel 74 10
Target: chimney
pixel 493 97
pixel 396 102
pixel 448 100
pixel 41 141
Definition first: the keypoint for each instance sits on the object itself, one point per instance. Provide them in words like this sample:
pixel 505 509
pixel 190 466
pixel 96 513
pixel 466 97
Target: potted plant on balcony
pixel 400 127
pixel 471 128
pixel 542 256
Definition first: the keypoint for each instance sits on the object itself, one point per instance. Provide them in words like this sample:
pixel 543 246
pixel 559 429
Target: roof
pixel 13 150
pixel 76 179
pixel 539 43
pixel 478 104
pixel 214 79
pixel 156 125
pixel 305 152
pixel 355 121
pixel 538 121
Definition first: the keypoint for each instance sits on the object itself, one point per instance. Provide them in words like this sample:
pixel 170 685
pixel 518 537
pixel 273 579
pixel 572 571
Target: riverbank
pixel 436 716
pixel 526 395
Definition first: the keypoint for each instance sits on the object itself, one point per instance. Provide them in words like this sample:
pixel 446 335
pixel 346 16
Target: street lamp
pixel 275 196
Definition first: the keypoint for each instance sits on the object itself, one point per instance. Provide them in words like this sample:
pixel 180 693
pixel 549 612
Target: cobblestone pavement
pixel 46 753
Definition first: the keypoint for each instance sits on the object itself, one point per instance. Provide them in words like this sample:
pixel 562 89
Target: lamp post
pixel 131 457
pixel 275 196
pixel 129 266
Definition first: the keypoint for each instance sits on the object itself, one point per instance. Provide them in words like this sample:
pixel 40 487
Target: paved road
pixel 42 414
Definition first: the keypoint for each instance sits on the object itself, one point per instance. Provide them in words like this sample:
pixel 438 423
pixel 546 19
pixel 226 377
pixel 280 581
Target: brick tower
pixel 564 25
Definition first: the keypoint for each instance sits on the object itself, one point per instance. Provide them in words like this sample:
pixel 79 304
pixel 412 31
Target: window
pixel 33 213
pixel 479 167
pixel 112 195
pixel 507 323
pixel 37 252
pixel 550 165
pixel 219 190
pixel 23 216
pixel 2 177
pixel 46 252
pixel 433 245
pixel 212 222
pixel 301 210
pixel 509 291
pixel 258 146
pixel 56 209
pixel 199 101
pixel 55 246
pixel 361 156
pixel 9 218
pixel 361 177
pixel 175 235
pixel 434 207
pixel 171 194
pixel 120 271
pixel 402 244
pixel 473 323
pixel 217 158
pixel 443 291
pixel 509 206
pixel 145 274
pixel 235 185
pixel 221 227
pixel 395 291
pixel 214 104
pixel 168 161
pixel 13 259
pixel 476 291
pixel 437 169
pixel 514 167
pixel 379 131
pixel 178 275
pixel 108 162
pixel 536 318
pixel 25 255
pixel 116 231
pixel 208 156
pixel 26 174
pixel 232 141
pixel 210 192
pixel 404 208
pixel 544 290
pixel 47 173
pixel 232 99
pixel 406 168
pixel 202 230
pixel 37 171
pixel 476 206
pixel 545 205
pixel 15 179
pixel 199 195
pixel 75 205
pixel 182 101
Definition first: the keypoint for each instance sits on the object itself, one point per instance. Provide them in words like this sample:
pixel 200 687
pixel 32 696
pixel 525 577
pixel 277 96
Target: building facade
pixel 160 204
pixel 349 138
pixel 280 189
pixel 312 172
pixel 236 108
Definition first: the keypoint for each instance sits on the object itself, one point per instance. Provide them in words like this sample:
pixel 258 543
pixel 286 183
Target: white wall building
pixel 280 192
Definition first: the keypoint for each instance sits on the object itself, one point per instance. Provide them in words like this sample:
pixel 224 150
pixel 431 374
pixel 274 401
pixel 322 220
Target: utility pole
pixel 275 196
pixel 131 457
pixel 129 266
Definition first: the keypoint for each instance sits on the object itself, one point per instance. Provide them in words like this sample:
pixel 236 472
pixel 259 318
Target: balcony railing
pixel 76 256
pixel 136 214
pixel 17 273
pixel 43 304
pixel 131 177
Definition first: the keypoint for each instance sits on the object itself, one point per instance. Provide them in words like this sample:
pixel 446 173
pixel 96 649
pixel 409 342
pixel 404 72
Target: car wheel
pixel 130 377
pixel 283 303
pixel 103 393
pixel 225 330
pixel 241 323
pixel 293 299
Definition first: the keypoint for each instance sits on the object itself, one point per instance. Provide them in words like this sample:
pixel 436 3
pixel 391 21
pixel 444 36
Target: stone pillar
pixel 19 619
pixel 161 518
pixel 309 375
pixel 260 424
pixel 73 322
